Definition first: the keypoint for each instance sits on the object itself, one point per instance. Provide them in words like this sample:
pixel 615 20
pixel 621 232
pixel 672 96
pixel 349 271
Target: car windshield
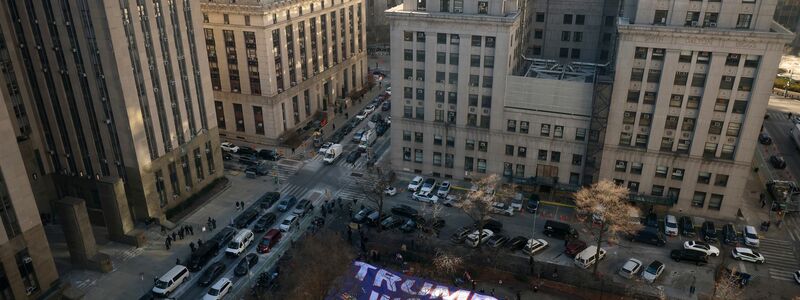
pixel 672 225
pixel 284 202
pixel 233 245
pixel 652 269
pixel 265 242
pixel 751 235
pixel 213 292
pixel 286 222
pixel 162 284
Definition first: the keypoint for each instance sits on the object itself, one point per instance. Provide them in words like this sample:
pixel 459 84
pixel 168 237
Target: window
pixel 408 55
pixel 565 36
pixel 576 53
pixel 732 59
pixel 476 40
pixel 745 84
pixel 710 149
pixel 609 21
pixel 703 177
pixel 693 102
pixel 727 151
pixel 420 37
pixel 752 61
pixel 441 38
pixel 537 50
pixel 226 19
pixel 523 126
pixel 660 17
pixel 472 120
pixel 542 155
pixel 580 19
pixel 441 58
pixel 538 34
pixel 555 156
pixel 448 160
pixel 420 111
pixel 636 168
pixel 454 39
pixel 420 94
pixel 407 111
pixel 558 131
pixel 733 129
pixel 661 171
pixel 418 137
pixel 743 22
pixel 406 135
pixel 721 105
pixel 698 80
pixel 739 106
pixel 674 193
pixel 685 56
pixel 420 55
pixel 483 146
pixel 454 59
pixel 666 143
pixel 683 145
pixel 563 52
pixel 418 157
pixel 437 158
pixel 545 131
pixel 444 5
pixel 692 18
pixel 469 145
pixel 474 60
pixel 452 97
pixel 658 53
pixel 468 161
pixel 421 4
pixel 644 119
pixel 483 8
pixel 653 75
pixel 621 166
pixel 577 159
pixel 508 169
pixel 681 78
pixel 625 138
pixel 671 122
pixel 489 42
pixel 539 17
pixel 481 165
pixel 715 201
pixel 580 134
pixel 726 83
pixel 522 151
pixel 657 190
pixel 641 140
pixel 511 126
pixel 453 78
pixel 633 96
pixel 721 180
pixel 474 81
pixel 406 154
pixel 567 19
pixel 439 76
pixel 715 127
pixel 676 100
pixel 488 61
pixel 699 199
pixel 677 174
pixel 703 57
pixel 510 150
pixel 641 53
pixel 408 92
pixel 633 186
pixel 421 75
pixel 688 124
pixel 458 6
pixel 637 74
pixel 437 139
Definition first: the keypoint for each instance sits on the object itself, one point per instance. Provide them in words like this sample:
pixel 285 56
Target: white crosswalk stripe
pixel 780 257
pixel 294 190
pixel 778 115
pixel 792 226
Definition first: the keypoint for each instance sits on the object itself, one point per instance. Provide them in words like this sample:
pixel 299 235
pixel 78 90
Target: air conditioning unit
pixel 280 90
pixel 630 114
pixel 485 111
pixel 668 133
pixel 472 109
pixel 731 140
pixel 712 24
pixel 729 78
pixel 713 138
pixel 409 78
pixel 685 135
pixel 419 78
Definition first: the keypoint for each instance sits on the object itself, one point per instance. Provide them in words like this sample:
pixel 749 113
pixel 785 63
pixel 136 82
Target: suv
pixel 697 257
pixel 287 203
pixel 303 207
pixel 559 230
pixel 686 226
pixel 709 232
pixel 415 183
pixel 574 246
pixel 264 222
pixel 501 208
pixel 428 185
pixel 533 204
pixel 258 169
pixel 269 154
pixel 729 234
pixel 649 236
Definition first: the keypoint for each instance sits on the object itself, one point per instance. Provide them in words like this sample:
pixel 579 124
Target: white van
pixel 240 242
pixel 170 281
pixel 586 258
pixel 751 236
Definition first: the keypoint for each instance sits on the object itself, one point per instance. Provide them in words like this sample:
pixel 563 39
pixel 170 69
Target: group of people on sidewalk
pixel 179 234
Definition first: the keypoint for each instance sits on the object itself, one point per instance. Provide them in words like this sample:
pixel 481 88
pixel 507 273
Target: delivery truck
pixel 333 153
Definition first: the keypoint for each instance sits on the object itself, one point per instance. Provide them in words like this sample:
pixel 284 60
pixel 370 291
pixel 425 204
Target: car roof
pixel 656 263
pixel 634 261
pixel 744 250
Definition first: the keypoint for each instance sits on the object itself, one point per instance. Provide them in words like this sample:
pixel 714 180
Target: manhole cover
pixel 354 174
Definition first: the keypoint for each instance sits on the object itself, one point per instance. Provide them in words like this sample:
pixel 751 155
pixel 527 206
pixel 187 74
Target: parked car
pixel 219 290
pixel 460 235
pixel 268 199
pixel 324 148
pixel 249 159
pixel 361 115
pixel 650 236
pixel 670 225
pixel 369 109
pixel 357 135
pixel 747 254
pixel 426 197
pixel 651 220
pixel 630 268
pixel 702 247
pixel 390 191
pixel 405 211
pixel 226 156
pixel 764 138
pixel 651 273
pixel 517 243
pixel 430 224
pixel 211 274
pixel 269 154
pixel 739 278
pixel 574 246
pixel 353 157
pixel 224 236
pixel 258 169
pixel 501 208
pixel 245 264
pixel 497 241
pixel 302 208
pixel 777 162
pixel 391 222
pixel 516 202
pixel 689 255
pixel 686 226
pixel 229 147
pixel 361 216
pixel 246 218
pixel 244 150
pixel 709 232
pixel 428 185
pixel 535 245
pixel 415 183
pixel 386 106
pixel 491 224
pixel 750 236
pixel 478 237
pixel 287 203
pixel 444 189
pixel 729 234
pixel 559 230
pixel 288 223
pixel 408 226
pixel 451 200
pixel 264 222
pixel 589 256
pixel 533 204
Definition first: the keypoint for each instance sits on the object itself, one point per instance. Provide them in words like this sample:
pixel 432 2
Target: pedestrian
pixel 355 201
pixel 199 242
pixel 213 224
pixel 334 126
pixel 349 234
pixel 191 230
pixel 474 284
pixel 180 234
pixel 166 244
pixel 535 288
pixel 177 261
pixel 492 292
pixel 191 246
pixel 209 220
pixel 237 205
pixel 174 235
pixel 763 203
pixel 779 223
pixel 163 229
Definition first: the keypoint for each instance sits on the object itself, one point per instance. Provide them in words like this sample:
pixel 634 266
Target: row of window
pixel 568 19
pixel 455 39
pixel 557 132
pixel 710 19
pixel 677 173
pixel 698 199
pixel 246 20
pixel 474 60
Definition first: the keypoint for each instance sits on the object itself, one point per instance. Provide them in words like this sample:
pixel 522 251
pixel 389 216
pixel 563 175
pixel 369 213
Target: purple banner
pixel 368 282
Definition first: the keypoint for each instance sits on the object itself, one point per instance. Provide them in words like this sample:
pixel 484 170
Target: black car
pixel 381 129
pixel 729 234
pixel 391 222
pixel 268 199
pixel 244 150
pixel 202 255
pixel 709 231
pixel 777 162
pixel 695 256
pixel 516 243
pixel 461 234
pixel 432 224
pixel 353 156
pixel 491 224
pixel 338 137
pixel 249 159
pixel 246 218
pixel 269 154
pixel 227 156
pixel 386 106
pixel 409 226
pixel 376 118
pixel 211 274
pixel 361 216
pixel 245 264
pixel 497 241
pixel 651 220
pixel 405 211
pixel 264 222
pixel 650 236
pixel 764 139
pixel 223 237
pixel 533 204
pixel 686 226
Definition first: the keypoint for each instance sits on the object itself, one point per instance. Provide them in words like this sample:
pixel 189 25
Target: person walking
pixel 191 246
pixel 180 234
pixel 166 243
pixel 213 223
pixel 177 261
pixel 174 235
pixel 237 205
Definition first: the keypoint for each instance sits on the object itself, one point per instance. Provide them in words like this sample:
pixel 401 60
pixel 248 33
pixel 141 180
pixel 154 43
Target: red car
pixel 574 246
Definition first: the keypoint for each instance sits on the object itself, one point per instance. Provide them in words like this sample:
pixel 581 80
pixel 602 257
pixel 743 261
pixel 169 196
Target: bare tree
pixel 314 253
pixel 479 200
pixel 728 284
pixel 606 204
pixel 446 264
pixel 374 185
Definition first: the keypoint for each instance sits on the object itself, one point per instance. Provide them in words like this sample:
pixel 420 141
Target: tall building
pixel 112 104
pixel 788 15
pixel 377 23
pixel 276 66
pixel 691 88
pixel 27 270
pixel 574 30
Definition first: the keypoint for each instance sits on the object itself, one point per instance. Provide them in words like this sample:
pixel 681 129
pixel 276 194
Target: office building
pixel 277 66
pixel 691 88
pixel 112 105
pixel 788 15
pixel 377 23
pixel 573 30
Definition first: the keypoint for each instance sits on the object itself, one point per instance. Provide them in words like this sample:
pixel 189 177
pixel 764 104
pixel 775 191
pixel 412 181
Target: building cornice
pixel 704 37
pixel 398 13
pixel 257 7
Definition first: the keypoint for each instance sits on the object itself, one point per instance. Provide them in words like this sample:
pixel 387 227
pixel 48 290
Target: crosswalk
pixel 791 223
pixel 294 190
pixel 352 191
pixel 780 258
pixel 779 115
pixel 360 164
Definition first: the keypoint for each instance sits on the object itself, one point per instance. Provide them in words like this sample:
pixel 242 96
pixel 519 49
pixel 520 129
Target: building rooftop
pixel 552 69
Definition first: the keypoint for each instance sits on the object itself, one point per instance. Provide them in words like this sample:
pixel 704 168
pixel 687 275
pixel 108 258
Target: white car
pixel 229 147
pixel 444 189
pixel 415 183
pixel 747 254
pixel 516 202
pixel 361 115
pixel 369 109
pixel 502 209
pixel 390 191
pixel 428 185
pixel 652 271
pixel 702 247
pixel 324 148
pixel 450 200
pixel 288 223
pixel 750 236
pixel 534 245
pixel 219 290
pixel 797 276
pixel 472 238
pixel 670 225
pixel 422 196
pixel 630 268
